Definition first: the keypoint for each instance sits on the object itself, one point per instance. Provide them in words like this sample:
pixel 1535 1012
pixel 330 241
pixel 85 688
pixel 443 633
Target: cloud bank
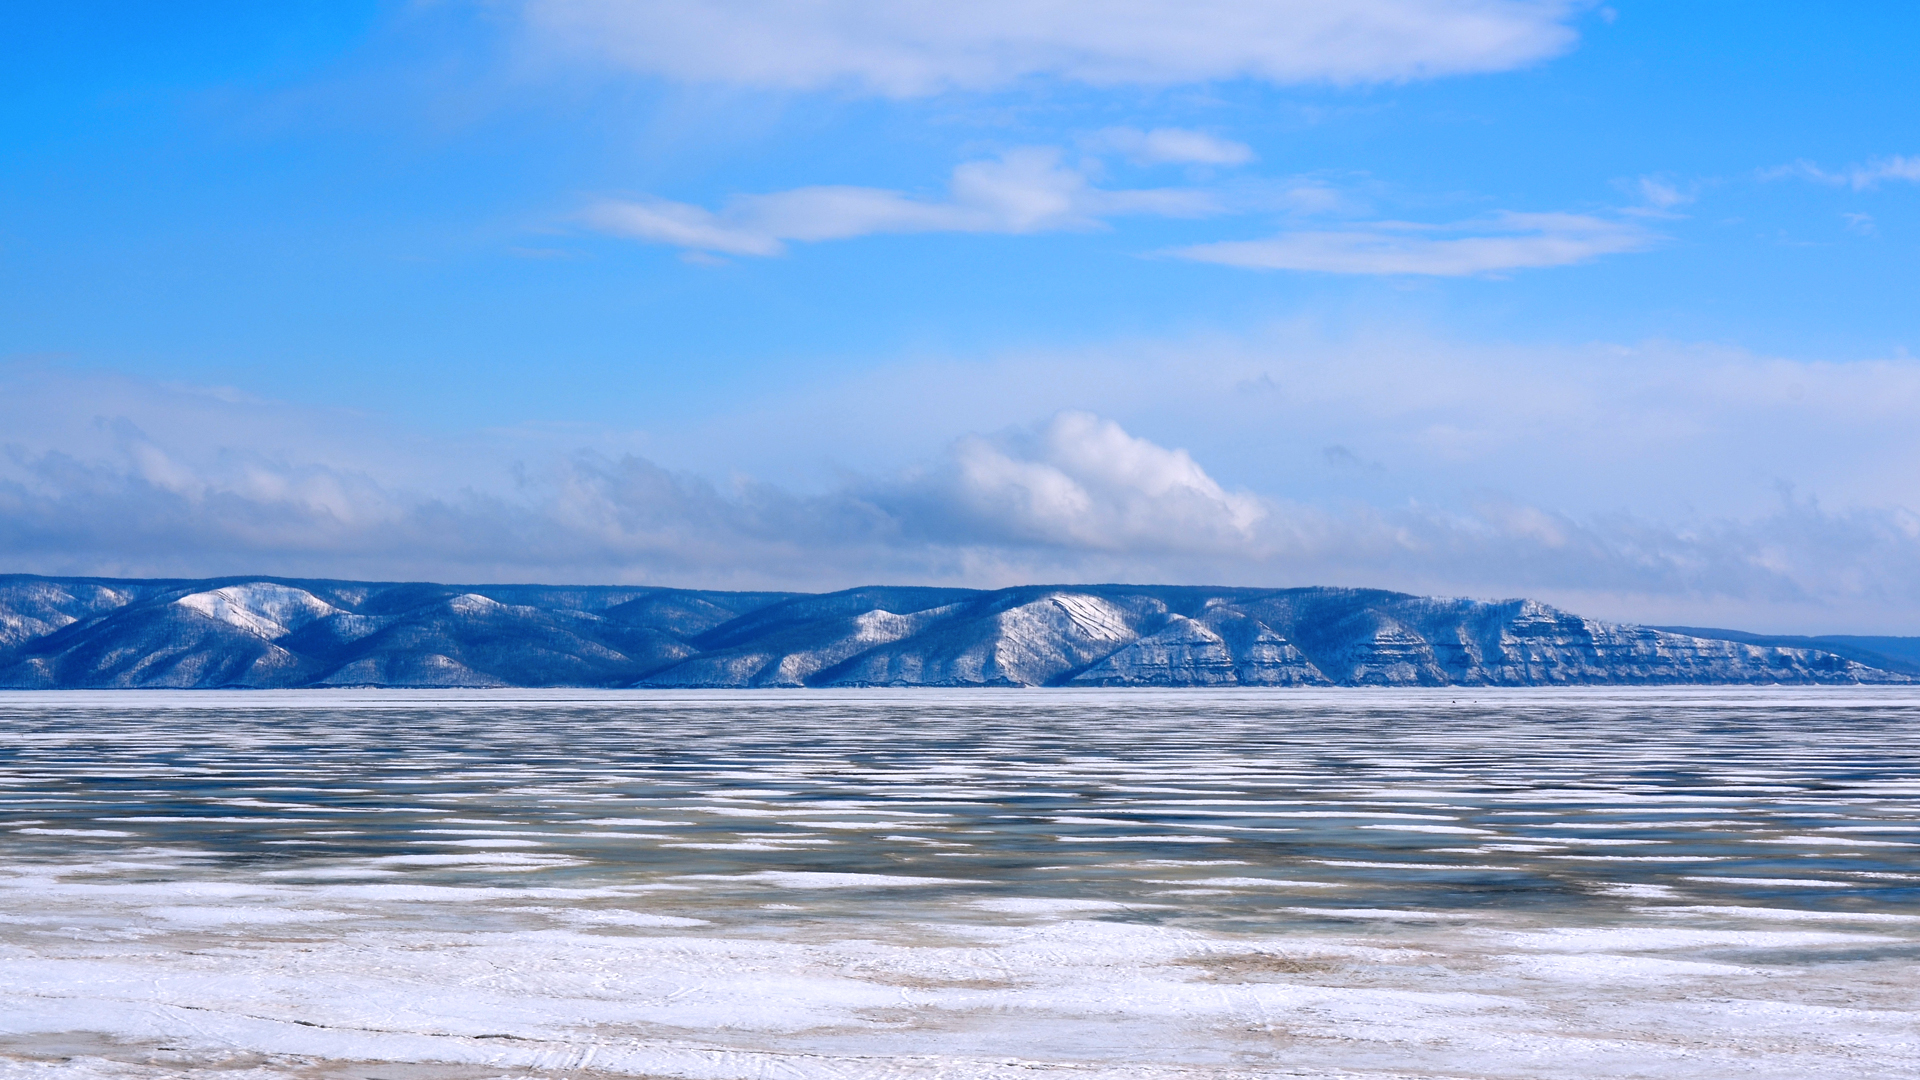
pixel 905 48
pixel 110 476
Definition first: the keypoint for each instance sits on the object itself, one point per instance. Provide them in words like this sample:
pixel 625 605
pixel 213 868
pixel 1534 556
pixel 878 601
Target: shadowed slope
pixel 273 632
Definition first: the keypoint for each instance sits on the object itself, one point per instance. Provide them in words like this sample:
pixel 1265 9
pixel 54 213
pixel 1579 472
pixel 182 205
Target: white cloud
pixel 1081 481
pixel 1509 241
pixel 1665 431
pixel 1169 146
pixel 1034 190
pixel 1858 177
pixel 666 222
pixel 1661 193
pixel 912 47
pixel 1475 458
pixel 1028 190
pixel 1892 168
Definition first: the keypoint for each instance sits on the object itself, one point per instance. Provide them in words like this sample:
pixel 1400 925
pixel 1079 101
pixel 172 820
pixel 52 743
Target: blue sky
pixel 1608 304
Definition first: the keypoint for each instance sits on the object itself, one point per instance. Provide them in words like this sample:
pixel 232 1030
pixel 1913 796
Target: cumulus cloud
pixel 1862 177
pixel 1079 482
pixel 904 48
pixel 1503 242
pixel 1666 429
pixel 1028 190
pixel 108 495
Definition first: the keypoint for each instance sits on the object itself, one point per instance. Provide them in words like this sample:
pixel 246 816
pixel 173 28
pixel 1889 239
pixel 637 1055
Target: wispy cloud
pixel 1493 245
pixel 1661 193
pixel 1035 190
pixel 1169 146
pixel 905 48
pixel 1029 190
pixel 1861 177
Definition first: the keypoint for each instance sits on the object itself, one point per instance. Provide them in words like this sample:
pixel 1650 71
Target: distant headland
pixel 255 632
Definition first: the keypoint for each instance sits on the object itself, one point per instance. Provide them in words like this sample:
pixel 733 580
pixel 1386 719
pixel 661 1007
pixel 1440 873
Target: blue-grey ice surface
pixel 905 884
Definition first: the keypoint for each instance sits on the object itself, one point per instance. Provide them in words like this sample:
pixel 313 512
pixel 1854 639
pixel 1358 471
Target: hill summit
pixel 74 633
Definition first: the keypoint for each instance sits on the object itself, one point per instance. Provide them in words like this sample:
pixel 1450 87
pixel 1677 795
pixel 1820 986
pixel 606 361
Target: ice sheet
pixel 456 885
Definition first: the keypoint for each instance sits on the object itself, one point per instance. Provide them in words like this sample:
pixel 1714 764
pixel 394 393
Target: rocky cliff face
pixel 76 633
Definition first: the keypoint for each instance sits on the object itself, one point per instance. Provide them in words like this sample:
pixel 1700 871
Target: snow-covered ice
pixel 702 885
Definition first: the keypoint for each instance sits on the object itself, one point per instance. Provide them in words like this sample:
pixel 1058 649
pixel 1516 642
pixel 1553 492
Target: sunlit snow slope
pixel 241 632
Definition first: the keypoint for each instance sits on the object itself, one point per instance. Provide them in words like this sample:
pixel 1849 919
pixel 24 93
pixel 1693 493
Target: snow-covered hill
pixel 256 632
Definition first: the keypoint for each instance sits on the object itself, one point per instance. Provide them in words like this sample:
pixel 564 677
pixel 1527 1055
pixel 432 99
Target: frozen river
pixel 959 884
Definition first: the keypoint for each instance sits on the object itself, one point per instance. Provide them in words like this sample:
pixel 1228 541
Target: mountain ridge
pixel 262 631
pixel 1889 653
